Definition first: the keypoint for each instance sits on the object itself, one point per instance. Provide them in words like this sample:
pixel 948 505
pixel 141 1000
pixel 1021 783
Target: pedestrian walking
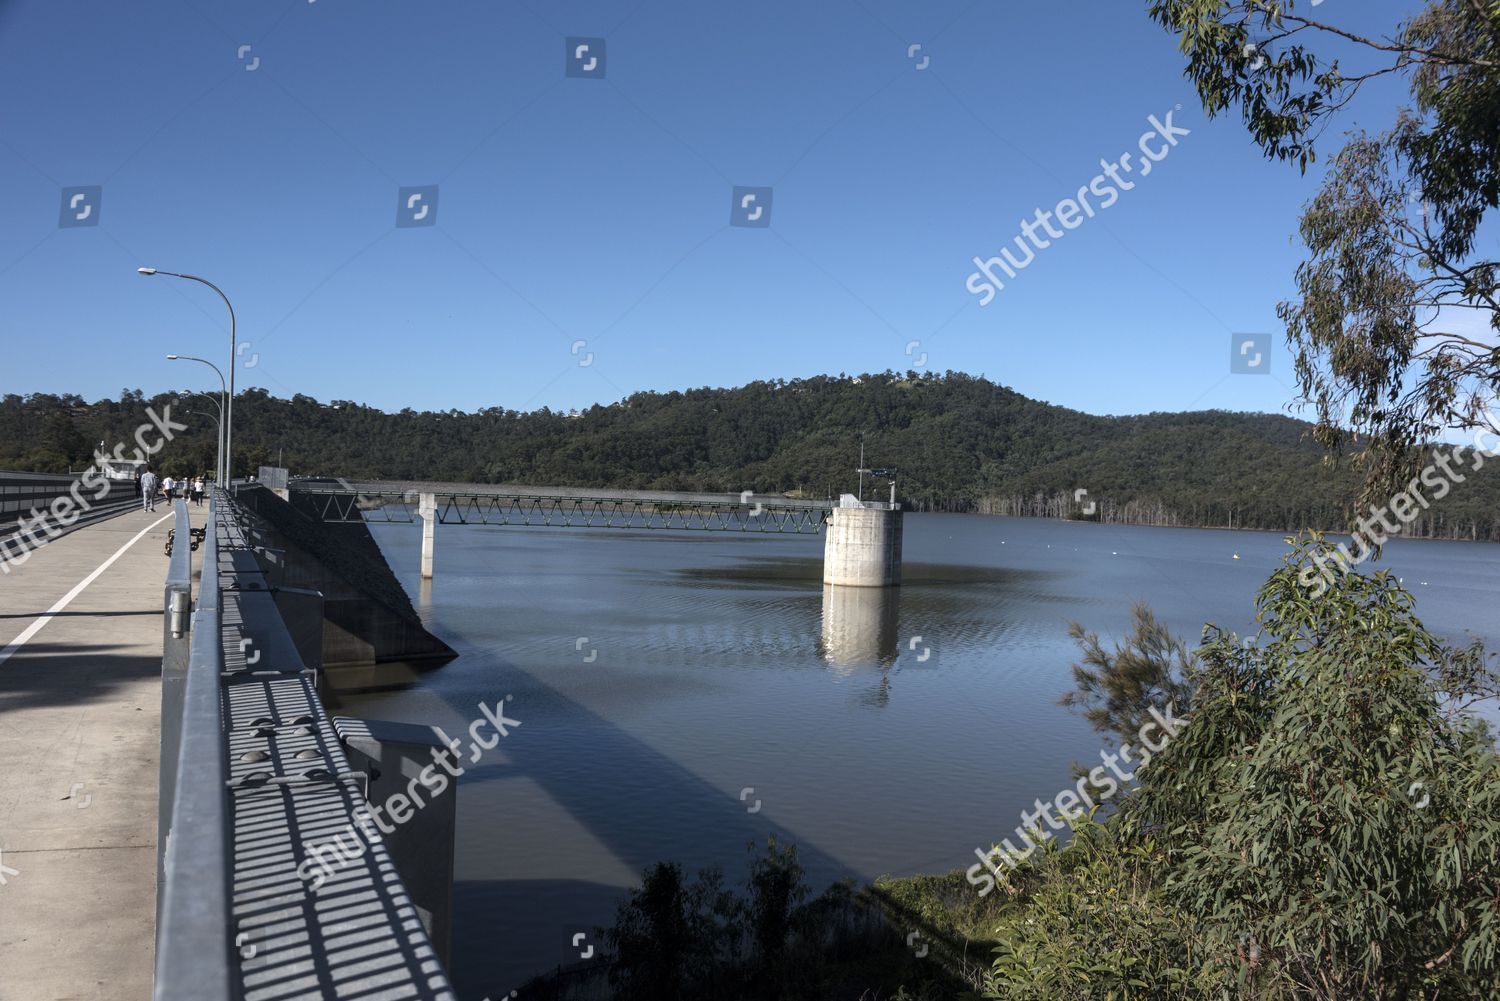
pixel 198 491
pixel 148 490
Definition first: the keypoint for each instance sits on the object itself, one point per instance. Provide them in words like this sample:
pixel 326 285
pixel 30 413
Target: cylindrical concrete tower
pixel 863 547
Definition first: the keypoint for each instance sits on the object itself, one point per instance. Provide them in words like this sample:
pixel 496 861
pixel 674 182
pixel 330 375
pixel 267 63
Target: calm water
pixel 659 676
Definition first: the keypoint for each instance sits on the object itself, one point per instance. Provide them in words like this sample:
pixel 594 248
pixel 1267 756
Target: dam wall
pixel 368 617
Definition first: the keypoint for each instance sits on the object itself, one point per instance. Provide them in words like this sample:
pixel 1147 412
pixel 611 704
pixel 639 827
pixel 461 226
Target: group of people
pixel 169 489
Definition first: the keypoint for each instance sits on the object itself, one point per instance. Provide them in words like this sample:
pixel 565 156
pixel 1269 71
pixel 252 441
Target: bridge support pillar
pixel 427 508
pixel 863 546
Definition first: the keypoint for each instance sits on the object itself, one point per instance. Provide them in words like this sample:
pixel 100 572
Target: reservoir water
pixel 683 694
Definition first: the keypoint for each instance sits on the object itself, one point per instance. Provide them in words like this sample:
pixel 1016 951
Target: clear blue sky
pixel 597 210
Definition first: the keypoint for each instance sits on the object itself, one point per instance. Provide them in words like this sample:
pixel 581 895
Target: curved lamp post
pixel 219 472
pixel 229 403
pixel 218 421
pixel 218 427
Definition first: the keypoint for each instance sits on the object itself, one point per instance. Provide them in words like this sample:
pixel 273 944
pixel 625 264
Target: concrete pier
pixel 863 545
pixel 427 507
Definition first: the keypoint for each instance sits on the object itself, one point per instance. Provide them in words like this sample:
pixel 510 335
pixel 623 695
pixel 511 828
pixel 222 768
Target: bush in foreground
pixel 1327 826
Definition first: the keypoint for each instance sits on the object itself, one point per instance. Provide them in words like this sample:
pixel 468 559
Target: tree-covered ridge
pixel 960 443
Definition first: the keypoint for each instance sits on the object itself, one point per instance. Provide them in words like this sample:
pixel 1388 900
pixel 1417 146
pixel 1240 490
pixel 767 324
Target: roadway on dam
pixel 80 714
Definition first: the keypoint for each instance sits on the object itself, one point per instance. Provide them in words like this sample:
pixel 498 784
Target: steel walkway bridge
pixel 559 507
pixel 551 507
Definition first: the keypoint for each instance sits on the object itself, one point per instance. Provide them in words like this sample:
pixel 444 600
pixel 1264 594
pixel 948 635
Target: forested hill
pixel 960 443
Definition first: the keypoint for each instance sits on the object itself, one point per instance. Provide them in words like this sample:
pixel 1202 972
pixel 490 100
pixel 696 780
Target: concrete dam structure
pixel 368 617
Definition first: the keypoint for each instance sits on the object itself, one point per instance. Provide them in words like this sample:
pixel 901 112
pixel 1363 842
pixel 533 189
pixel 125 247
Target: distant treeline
pixel 960 444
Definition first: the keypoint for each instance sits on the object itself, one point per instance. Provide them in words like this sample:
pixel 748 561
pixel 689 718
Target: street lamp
pixel 218 426
pixel 229 403
pixel 218 421
pixel 220 472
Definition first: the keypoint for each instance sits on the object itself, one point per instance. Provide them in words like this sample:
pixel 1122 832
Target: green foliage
pixel 1456 161
pixel 1327 826
pixel 1394 267
pixel 1090 922
pixel 700 941
pixel 1281 92
pixel 777 891
pixel 946 909
pixel 1116 690
pixel 1322 813
pixel 43 433
pixel 667 935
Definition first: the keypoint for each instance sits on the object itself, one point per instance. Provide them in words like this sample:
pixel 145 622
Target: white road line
pixel 67 599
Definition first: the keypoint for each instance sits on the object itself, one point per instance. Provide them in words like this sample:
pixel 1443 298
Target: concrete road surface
pixel 80 711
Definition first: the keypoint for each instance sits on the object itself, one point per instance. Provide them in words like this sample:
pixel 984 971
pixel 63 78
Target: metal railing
pixel 192 921
pixel 37 507
pixel 176 643
pixel 260 780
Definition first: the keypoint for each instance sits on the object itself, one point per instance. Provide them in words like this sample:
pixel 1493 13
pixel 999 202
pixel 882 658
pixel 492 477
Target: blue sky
pixel 597 210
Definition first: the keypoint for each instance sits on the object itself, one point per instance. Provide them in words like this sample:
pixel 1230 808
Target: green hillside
pixel 960 443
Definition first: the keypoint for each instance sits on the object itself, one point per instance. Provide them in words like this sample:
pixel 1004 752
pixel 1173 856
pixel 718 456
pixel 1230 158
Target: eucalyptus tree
pixel 1325 826
pixel 1394 328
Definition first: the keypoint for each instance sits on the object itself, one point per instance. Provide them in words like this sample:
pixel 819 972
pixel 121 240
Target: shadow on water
pixel 508 931
pixel 367 679
pixel 802 572
pixel 597 773
pixel 612 794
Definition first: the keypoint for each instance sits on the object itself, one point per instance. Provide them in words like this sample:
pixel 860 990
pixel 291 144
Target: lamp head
pixel 172 357
pixel 146 271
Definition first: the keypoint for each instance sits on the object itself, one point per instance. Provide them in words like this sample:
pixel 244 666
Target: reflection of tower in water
pixel 859 627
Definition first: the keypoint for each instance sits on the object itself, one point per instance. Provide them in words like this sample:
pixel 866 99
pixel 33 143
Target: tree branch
pixel 1391 46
